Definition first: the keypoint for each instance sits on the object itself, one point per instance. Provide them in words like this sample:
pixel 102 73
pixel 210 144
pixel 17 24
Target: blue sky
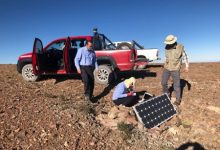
pixel 196 23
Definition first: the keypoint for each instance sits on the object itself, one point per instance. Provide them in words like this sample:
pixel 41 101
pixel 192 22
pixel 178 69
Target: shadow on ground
pixel 193 146
pixel 60 78
pixel 183 84
pixel 137 74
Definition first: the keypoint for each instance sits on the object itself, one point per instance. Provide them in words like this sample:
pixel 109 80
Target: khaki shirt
pixel 174 58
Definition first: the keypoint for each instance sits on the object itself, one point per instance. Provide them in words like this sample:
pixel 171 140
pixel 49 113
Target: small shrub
pixel 87 109
pixel 126 130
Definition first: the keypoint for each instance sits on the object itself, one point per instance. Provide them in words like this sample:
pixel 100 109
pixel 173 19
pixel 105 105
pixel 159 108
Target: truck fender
pixel 21 63
pixel 107 60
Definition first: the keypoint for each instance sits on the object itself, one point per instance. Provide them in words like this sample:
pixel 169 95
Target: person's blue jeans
pixel 176 82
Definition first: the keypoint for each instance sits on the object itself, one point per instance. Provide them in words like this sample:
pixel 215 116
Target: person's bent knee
pixel 163 83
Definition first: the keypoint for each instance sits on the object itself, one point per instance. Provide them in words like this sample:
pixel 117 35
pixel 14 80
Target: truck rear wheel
pixel 104 75
pixel 27 73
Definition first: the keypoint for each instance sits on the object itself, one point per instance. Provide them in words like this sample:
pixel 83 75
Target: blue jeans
pixel 176 82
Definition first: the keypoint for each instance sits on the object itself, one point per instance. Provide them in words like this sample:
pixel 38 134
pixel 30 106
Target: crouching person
pixel 124 94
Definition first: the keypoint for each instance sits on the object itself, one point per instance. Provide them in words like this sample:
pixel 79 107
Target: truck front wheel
pixel 104 75
pixel 27 73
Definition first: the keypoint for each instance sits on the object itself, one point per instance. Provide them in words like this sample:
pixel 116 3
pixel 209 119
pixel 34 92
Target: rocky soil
pixel 51 114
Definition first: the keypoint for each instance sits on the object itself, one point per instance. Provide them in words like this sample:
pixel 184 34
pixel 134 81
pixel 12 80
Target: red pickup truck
pixel 58 58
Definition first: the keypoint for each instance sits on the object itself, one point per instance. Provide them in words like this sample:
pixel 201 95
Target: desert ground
pixel 51 114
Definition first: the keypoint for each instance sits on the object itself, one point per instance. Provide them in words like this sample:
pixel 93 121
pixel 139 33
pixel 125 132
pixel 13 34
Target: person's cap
pixel 170 39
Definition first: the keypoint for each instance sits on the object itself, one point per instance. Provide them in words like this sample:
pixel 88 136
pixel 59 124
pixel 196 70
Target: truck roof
pixel 74 37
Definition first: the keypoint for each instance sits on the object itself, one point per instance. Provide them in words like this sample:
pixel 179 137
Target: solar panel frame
pixel 147 96
pixel 159 108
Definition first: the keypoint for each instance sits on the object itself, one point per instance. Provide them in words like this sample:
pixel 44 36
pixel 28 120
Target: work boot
pixel 93 99
pixel 177 102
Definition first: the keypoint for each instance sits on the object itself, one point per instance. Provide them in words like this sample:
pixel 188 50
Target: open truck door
pixel 67 55
pixel 37 54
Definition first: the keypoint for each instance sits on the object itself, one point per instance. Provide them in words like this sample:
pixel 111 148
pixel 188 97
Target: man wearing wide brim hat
pixel 174 54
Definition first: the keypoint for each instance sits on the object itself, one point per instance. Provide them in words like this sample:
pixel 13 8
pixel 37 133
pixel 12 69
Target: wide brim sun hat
pixel 170 39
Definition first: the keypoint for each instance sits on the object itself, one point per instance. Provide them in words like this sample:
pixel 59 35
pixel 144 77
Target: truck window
pixel 56 46
pixel 78 43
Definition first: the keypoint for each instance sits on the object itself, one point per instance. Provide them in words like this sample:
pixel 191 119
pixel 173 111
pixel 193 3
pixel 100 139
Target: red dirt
pixel 52 114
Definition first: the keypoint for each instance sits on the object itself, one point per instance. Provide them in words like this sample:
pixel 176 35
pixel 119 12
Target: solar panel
pixel 155 111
